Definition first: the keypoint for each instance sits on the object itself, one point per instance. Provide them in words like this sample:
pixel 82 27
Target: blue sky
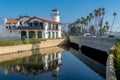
pixel 70 10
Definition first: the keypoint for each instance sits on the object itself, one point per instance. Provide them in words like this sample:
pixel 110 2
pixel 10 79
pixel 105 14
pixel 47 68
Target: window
pixel 35 23
pixel 49 57
pixel 49 27
pixel 10 27
pixel 56 14
pixel 56 26
pixel 6 27
pixel 41 23
pixel 10 31
pixel 29 24
pixel 14 26
pixel 20 23
pixel 56 34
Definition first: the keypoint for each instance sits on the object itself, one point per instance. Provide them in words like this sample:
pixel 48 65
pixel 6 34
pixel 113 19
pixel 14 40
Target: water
pixel 54 64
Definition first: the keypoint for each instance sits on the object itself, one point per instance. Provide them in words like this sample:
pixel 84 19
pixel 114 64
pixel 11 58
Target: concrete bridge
pixel 103 44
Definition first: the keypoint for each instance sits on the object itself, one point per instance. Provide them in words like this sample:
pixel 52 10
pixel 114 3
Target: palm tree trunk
pixel 112 25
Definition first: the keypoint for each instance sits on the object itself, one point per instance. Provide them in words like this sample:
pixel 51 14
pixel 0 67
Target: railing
pixel 30 27
pixel 109 41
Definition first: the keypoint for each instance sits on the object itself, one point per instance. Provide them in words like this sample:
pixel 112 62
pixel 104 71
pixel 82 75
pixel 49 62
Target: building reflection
pixel 35 64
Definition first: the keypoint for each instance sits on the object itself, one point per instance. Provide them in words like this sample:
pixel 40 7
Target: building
pixel 32 27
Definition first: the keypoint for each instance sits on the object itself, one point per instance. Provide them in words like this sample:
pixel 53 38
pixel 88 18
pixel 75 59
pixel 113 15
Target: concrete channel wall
pixel 19 48
pixel 16 55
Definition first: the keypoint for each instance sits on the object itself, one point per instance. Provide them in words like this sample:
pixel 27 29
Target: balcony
pixel 30 28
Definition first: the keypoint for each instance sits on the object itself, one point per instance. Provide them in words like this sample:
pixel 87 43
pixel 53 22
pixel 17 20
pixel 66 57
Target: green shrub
pixel 117 54
pixel 33 41
pixel 25 41
pixel 8 42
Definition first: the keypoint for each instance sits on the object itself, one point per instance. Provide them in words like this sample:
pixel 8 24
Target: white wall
pixel 5 33
pixel 35 19
pixel 44 34
pixel 24 20
pixel 56 18
pixel 59 30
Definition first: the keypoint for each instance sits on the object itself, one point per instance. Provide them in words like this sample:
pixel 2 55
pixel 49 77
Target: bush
pixel 32 41
pixel 117 54
pixel 9 42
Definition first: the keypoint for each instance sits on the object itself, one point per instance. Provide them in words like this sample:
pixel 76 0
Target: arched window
pixel 32 34
pixel 39 34
pixel 49 35
pixel 23 34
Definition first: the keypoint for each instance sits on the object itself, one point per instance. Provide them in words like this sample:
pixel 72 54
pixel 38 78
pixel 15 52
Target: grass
pixel 10 42
pixel 117 61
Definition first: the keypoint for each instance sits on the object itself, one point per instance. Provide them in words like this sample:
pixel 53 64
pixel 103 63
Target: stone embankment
pixel 19 48
pixel 110 70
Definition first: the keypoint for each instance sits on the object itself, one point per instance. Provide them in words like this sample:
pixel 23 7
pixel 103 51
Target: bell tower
pixel 55 15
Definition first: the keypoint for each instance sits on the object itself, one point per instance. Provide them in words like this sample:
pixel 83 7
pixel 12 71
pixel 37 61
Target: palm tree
pixel 86 24
pixel 102 31
pixel 91 19
pixel 82 22
pixel 114 14
pixel 77 22
pixel 106 26
pixel 92 30
pixel 103 12
pixel 77 26
pixel 100 12
pixel 96 21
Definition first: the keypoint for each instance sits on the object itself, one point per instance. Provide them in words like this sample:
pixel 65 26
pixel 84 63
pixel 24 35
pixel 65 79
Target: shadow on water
pixel 97 55
pixel 96 60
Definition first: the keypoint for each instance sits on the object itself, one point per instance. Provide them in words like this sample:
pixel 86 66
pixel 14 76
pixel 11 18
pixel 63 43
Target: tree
pixel 106 27
pixel 114 14
pixel 98 20
pixel 92 30
pixel 91 19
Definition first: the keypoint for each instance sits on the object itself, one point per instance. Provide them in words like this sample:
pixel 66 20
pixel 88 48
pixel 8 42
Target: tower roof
pixel 55 9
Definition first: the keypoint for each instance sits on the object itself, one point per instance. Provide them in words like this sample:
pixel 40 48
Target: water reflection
pixel 48 60
pixel 52 63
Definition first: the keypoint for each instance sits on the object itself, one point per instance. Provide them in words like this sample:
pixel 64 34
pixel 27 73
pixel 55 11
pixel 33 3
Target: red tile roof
pixel 44 19
pixel 15 21
pixel 12 21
